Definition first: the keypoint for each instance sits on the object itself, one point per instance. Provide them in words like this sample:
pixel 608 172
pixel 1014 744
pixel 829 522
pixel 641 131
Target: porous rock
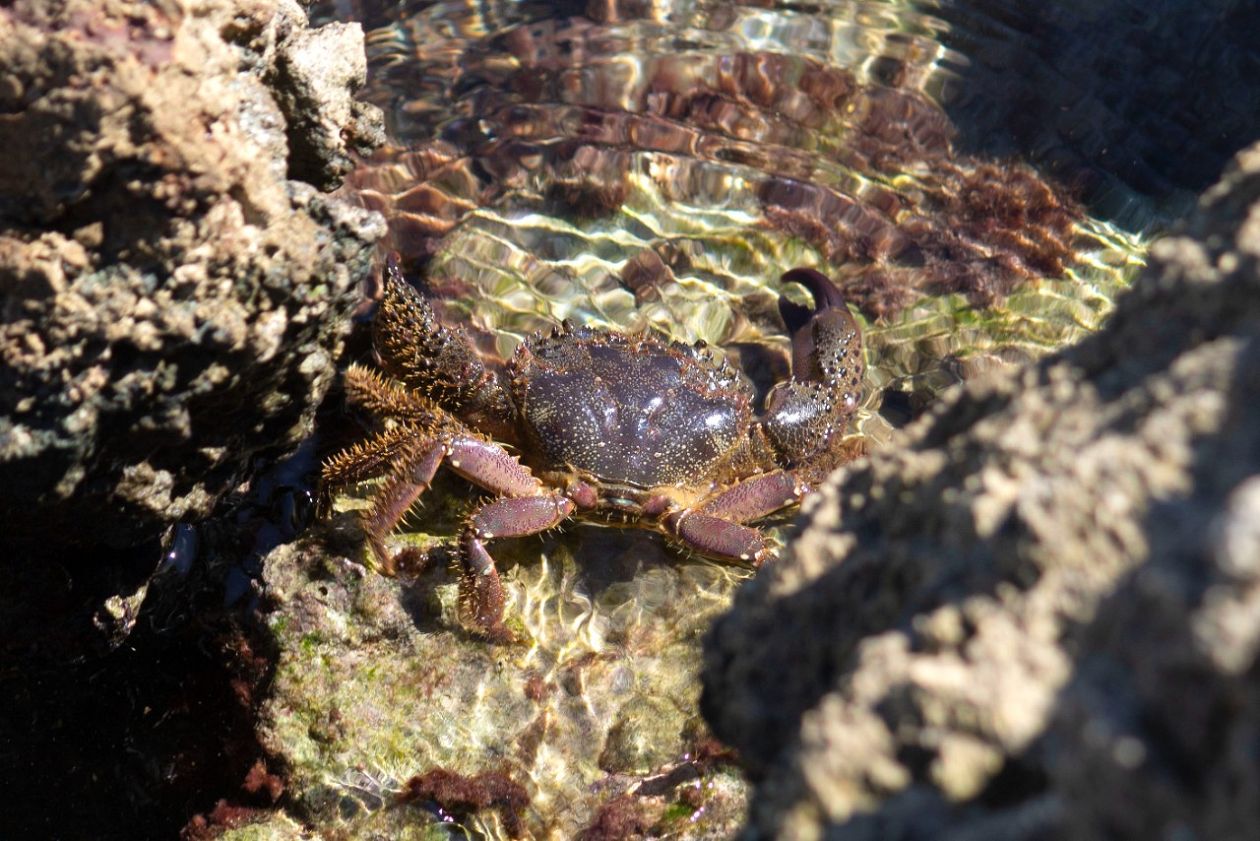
pixel 1034 615
pixel 173 303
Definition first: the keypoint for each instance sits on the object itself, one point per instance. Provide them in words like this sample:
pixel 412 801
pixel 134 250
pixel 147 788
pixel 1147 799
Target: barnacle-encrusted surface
pixel 174 305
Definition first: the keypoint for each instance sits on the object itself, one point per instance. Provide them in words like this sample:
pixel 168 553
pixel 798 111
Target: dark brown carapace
pixel 628 429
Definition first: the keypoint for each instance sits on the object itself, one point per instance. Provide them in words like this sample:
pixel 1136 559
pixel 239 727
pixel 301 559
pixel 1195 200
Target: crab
pixel 631 430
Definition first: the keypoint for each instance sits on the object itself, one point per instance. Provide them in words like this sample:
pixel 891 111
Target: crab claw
pixel 807 413
pixel 414 346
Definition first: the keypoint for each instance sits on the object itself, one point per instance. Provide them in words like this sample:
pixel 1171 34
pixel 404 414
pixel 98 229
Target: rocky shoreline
pixel 176 294
pixel 1031 614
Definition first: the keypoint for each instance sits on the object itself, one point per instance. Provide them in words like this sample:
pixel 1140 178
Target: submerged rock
pixel 1033 615
pixel 390 717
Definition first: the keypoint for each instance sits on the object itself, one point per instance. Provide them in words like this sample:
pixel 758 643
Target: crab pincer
pixel 806 415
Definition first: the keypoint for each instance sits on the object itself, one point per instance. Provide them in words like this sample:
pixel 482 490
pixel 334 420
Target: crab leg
pixel 418 451
pixel 381 397
pixel 524 509
pixel 714 526
pixel 756 497
pixel 717 537
pixel 480 591
pixel 367 460
pixel 398 495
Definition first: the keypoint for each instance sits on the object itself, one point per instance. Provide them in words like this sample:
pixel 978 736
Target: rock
pixel 1035 612
pixel 316 74
pixel 173 304
pixel 641 738
pixel 385 712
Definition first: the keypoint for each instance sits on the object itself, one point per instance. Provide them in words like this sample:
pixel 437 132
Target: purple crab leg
pixel 399 494
pixel 717 537
pixel 756 497
pixel 714 527
pixel 480 461
pixel 524 509
pixel 480 591
pixel 489 466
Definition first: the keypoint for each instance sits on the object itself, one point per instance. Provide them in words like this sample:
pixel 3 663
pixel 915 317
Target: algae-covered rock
pixel 644 735
pixel 1033 615
pixel 387 713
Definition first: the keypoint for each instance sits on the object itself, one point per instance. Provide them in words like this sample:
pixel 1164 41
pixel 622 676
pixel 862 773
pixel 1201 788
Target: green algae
pixel 276 827
pixel 377 682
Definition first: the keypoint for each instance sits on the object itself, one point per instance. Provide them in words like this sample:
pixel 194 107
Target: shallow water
pixel 652 164
pixel 662 164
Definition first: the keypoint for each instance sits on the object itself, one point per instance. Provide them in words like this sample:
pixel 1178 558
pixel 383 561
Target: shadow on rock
pixel 1035 617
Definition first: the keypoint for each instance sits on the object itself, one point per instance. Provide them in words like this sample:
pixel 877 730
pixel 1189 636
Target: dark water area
pixel 134 717
pixel 1132 108
pixel 1136 102
pixel 133 744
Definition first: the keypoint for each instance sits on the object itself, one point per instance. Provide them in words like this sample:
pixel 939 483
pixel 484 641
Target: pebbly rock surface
pixel 1035 615
pixel 173 300
pixel 175 292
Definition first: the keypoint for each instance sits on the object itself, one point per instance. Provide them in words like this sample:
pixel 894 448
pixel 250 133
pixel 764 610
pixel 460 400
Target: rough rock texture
pixel 314 78
pixel 172 306
pixel 172 303
pixel 384 712
pixel 1036 615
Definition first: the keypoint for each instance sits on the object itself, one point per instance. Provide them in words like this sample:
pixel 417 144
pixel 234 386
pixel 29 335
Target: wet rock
pixel 644 736
pixel 1034 616
pixel 386 713
pixel 173 303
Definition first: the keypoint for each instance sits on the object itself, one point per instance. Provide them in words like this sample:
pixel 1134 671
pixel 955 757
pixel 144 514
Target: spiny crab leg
pixel 524 508
pixel 399 494
pixel 478 460
pixel 714 527
pixel 367 460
